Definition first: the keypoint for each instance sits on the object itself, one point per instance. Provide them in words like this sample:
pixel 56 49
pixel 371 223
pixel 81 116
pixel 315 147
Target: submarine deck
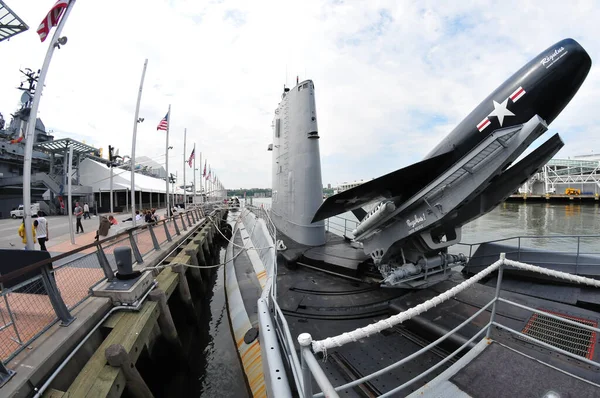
pixel 326 303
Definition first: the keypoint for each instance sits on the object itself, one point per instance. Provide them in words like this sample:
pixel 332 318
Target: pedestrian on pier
pixel 41 230
pixel 23 235
pixel 86 211
pixel 78 213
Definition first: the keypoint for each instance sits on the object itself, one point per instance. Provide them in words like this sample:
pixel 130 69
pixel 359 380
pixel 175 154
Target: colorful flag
pixel 52 18
pixel 204 172
pixel 192 157
pixel 208 176
pixel 164 123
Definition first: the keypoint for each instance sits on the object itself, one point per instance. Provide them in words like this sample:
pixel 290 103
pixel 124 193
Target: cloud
pixel 392 78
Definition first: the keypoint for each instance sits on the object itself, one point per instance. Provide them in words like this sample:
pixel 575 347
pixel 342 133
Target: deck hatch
pixel 576 340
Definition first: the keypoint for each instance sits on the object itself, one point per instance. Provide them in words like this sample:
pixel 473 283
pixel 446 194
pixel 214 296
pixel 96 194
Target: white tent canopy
pixel 97 175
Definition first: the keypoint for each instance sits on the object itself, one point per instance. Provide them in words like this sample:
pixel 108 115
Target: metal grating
pixel 576 340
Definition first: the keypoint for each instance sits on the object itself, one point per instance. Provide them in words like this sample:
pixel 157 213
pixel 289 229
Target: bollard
pixel 117 356
pixel 165 320
pixel 194 271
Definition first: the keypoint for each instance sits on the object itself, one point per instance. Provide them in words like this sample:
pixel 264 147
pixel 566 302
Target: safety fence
pixel 341 226
pixel 35 297
pixel 575 254
pixel 310 367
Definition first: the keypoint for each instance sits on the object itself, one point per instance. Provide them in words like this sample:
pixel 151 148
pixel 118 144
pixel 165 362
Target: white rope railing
pixel 556 274
pixel 361 333
pixel 355 335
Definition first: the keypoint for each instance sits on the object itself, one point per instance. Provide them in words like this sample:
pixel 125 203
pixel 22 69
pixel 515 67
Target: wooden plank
pixel 112 321
pixel 167 281
pixel 127 332
pixel 107 378
pixel 52 393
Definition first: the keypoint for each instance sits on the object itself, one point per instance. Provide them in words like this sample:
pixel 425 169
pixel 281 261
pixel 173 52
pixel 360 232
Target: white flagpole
pixel 167 159
pixel 184 164
pixel 194 184
pixel 30 133
pixel 69 196
pixel 132 159
pixel 200 175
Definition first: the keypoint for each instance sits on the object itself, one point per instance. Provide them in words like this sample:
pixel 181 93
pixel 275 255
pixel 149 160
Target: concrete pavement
pixel 58 230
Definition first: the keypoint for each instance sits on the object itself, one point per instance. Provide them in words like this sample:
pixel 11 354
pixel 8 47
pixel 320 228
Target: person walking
pixel 86 211
pixel 41 230
pixel 103 228
pixel 23 235
pixel 78 214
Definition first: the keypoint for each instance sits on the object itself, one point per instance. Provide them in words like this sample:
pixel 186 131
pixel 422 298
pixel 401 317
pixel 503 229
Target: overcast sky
pixel 391 77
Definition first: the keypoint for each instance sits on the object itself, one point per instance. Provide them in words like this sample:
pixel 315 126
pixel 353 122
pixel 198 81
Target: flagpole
pixel 194 197
pixel 184 164
pixel 199 172
pixel 31 122
pixel 132 159
pixel 167 158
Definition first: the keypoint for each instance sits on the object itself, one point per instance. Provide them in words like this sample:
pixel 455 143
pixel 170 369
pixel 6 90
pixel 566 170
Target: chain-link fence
pixel 28 311
pixel 31 307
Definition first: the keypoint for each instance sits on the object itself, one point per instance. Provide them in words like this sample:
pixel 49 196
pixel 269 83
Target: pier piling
pixel 117 356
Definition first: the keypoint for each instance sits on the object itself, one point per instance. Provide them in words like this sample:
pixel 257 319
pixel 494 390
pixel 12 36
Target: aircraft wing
pixel 397 185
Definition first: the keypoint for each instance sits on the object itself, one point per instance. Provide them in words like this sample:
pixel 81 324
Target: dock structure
pixel 105 340
pixel 587 198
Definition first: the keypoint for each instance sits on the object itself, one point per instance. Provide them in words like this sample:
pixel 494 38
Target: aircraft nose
pixel 567 65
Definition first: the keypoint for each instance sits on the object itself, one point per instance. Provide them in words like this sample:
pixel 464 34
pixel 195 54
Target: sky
pixel 392 78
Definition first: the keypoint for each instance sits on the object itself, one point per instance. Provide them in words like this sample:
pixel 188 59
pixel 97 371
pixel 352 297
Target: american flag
pixel 192 157
pixel 164 123
pixel 52 18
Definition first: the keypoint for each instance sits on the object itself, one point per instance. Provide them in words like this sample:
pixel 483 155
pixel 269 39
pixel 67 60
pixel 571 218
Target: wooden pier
pixel 106 364
pixel 136 331
pixel 554 198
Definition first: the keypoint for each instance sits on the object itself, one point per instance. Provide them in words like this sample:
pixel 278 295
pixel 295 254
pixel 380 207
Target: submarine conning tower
pixel 296 167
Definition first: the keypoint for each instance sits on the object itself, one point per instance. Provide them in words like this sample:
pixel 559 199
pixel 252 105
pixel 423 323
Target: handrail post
pixel 104 264
pixel 153 236
pixel 498 284
pixel 188 219
pixel 174 219
pixel 60 308
pixel 169 239
pixel 577 257
pixel 136 251
pixel 305 340
pixel 183 222
pixel 191 212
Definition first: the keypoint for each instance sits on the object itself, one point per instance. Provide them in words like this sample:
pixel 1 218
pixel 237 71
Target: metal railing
pixel 31 307
pixel 282 328
pixel 579 245
pixel 310 367
pixel 341 226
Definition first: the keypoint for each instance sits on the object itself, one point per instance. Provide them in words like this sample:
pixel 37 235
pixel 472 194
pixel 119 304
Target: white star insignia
pixel 500 111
